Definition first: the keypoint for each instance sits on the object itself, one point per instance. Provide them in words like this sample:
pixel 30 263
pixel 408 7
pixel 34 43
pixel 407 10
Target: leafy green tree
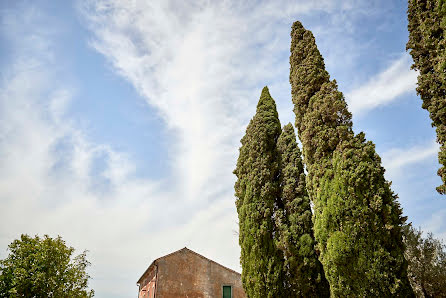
pixel 427 23
pixel 43 267
pixel 427 263
pixel 357 219
pixel 304 276
pixel 257 190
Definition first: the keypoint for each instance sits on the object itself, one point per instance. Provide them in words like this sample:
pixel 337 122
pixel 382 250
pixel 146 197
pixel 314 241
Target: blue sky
pixel 120 121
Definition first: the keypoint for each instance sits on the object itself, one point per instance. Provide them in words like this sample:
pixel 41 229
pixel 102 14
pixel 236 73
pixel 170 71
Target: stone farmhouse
pixel 185 273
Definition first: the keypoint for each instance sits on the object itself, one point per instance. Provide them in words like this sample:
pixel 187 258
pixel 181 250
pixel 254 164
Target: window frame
pixel 222 290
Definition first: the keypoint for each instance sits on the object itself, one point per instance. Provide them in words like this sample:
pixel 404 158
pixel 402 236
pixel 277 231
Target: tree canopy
pixel 43 267
pixel 426 256
pixel 357 219
pixel 257 190
pixel 304 275
pixel 427 24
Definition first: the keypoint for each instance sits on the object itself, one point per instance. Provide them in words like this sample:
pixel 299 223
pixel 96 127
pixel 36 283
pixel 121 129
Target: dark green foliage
pixel 427 263
pixel 357 219
pixel 427 23
pixel 304 276
pixel 257 189
pixel 43 267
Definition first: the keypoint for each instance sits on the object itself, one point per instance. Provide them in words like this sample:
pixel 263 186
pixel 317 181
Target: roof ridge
pixel 153 262
pixel 211 260
pixel 179 250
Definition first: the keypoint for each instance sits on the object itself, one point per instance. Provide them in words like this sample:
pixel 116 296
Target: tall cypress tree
pixel 304 276
pixel 257 189
pixel 427 23
pixel 357 219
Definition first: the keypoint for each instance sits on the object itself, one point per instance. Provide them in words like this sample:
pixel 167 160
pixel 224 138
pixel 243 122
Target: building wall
pixel 187 274
pixel 147 286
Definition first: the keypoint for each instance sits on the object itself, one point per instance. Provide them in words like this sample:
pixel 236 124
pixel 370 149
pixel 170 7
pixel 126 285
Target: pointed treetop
pixel 307 72
pixel 265 92
pixel 288 128
pixel 266 102
pixel 297 28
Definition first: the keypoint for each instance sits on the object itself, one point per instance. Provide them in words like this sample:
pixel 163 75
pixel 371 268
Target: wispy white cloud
pixel 397 80
pixel 202 66
pixel 413 171
pixel 47 182
pixel 45 192
pixel 395 160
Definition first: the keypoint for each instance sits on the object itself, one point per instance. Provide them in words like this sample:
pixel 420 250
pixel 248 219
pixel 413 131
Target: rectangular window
pixel 227 292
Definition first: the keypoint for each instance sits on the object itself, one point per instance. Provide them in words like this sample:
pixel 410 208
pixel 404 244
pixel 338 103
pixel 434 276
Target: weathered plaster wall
pixel 187 274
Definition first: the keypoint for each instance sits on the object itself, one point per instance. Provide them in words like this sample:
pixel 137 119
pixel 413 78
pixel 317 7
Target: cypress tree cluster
pixel 357 219
pixel 257 190
pixel 427 23
pixel 303 273
pixel 278 254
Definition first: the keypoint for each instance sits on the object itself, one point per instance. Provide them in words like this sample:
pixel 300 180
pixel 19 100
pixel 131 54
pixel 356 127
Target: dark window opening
pixel 227 292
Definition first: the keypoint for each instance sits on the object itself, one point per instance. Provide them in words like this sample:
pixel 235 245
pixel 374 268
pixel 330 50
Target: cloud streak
pixel 385 87
pixel 201 66
pixel 197 65
pixel 49 184
pixel 395 160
